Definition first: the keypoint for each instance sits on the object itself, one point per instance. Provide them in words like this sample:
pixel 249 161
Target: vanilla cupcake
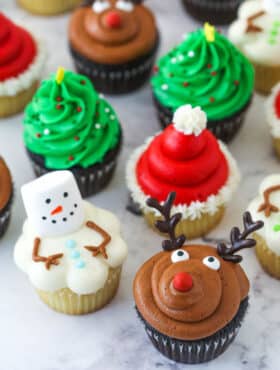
pixel 256 32
pixel 273 117
pixel 266 207
pixel 188 159
pixel 49 7
pixel 71 251
pixel 22 61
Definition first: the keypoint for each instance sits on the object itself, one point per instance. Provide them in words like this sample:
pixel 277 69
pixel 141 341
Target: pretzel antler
pixel 251 27
pixel 266 206
pixel 169 223
pixel 238 239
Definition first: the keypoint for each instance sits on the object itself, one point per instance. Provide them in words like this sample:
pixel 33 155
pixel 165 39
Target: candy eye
pixel 212 262
pixel 100 6
pixel 126 6
pixel 48 201
pixel 179 256
pixel 65 194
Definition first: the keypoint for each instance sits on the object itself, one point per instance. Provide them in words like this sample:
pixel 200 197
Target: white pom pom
pixel 189 120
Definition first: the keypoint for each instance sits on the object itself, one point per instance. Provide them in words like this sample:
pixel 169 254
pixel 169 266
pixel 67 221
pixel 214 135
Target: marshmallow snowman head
pixel 53 204
pixel 272 6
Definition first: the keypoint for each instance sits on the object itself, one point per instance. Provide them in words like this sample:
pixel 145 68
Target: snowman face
pixel 53 204
pixel 272 6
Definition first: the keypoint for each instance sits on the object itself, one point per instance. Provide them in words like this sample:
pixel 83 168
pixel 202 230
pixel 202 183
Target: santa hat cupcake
pixel 22 59
pixel 188 159
pixel 273 117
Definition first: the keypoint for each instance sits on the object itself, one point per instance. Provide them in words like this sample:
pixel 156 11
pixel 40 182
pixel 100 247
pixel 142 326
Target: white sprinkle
pixel 107 110
pixel 185 36
pixel 47 131
pixel 164 87
pixel 112 117
pixel 173 60
pixel 181 57
pixel 97 125
pixel 101 96
pixel 191 54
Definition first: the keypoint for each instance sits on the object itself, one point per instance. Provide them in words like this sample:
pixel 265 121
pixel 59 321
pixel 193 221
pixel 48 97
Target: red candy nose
pixel 56 210
pixel 182 282
pixel 113 20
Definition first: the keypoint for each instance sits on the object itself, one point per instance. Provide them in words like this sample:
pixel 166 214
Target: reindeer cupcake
pixel 114 43
pixel 192 298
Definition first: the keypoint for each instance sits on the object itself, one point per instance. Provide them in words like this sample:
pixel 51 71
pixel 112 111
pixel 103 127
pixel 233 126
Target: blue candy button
pixel 80 264
pixel 70 243
pixel 75 254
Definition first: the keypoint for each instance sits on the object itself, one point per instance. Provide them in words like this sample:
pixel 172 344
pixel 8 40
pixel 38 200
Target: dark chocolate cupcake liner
pixel 224 130
pixel 90 180
pixel 213 11
pixel 116 79
pixel 5 216
pixel 197 351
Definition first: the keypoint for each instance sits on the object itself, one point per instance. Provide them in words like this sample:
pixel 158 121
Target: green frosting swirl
pixel 69 124
pixel 212 75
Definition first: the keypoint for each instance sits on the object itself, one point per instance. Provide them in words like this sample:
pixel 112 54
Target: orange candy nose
pixel 56 210
pixel 113 20
pixel 182 282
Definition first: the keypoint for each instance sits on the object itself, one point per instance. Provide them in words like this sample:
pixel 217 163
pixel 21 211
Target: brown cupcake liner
pixel 116 78
pixel 70 303
pixel 197 351
pixel 269 260
pixel 224 130
pixel 213 11
pixel 48 7
pixel 10 105
pixel 191 228
pixel 266 77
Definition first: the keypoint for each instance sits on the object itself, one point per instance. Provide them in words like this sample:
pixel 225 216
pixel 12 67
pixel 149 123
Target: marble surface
pixel 34 337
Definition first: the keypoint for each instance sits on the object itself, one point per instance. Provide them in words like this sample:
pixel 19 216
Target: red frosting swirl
pixel 17 49
pixel 193 166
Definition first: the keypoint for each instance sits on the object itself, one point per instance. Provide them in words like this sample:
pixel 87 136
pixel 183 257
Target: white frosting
pixel 196 209
pixel 272 119
pixel 86 280
pixel 13 86
pixel 189 120
pixel 271 237
pixel 260 47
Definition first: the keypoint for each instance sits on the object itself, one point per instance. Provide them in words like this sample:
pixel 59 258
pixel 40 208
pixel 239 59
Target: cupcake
pixel 22 58
pixel 266 206
pixel 214 11
pixel 188 159
pixel 114 43
pixel 256 33
pixel 69 126
pixel 273 117
pixel 71 251
pixel 6 196
pixel 49 7
pixel 205 70
pixel 192 299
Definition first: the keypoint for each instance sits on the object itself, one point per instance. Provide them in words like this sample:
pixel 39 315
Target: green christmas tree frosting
pixel 69 124
pixel 205 70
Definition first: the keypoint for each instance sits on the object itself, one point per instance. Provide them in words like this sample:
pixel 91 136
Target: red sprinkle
pixel 209 65
pixel 236 82
pixel 156 69
pixel 171 75
pixel 83 82
pixel 71 158
pixel 58 106
pixel 79 109
pixel 185 84
pixel 76 138
pixel 212 99
pixel 38 135
pixel 96 114
pixel 214 73
pixel 59 98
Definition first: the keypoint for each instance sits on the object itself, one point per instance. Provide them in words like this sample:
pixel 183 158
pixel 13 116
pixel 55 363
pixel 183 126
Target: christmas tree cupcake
pixel 256 33
pixel 266 206
pixel 49 7
pixel 6 196
pixel 71 251
pixel 114 43
pixel 192 299
pixel 22 58
pixel 273 117
pixel 188 159
pixel 69 126
pixel 205 70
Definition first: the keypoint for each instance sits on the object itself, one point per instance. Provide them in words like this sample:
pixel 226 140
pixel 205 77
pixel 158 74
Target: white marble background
pixel 32 337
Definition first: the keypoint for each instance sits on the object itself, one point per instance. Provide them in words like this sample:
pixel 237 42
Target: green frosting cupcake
pixel 205 70
pixel 69 124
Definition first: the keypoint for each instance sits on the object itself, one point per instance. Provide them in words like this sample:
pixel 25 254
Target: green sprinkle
pixel 273 32
pixel 276 227
pixel 272 41
pixel 276 24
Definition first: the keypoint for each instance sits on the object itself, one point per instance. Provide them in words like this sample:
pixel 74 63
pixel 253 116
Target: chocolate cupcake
pixel 6 196
pixel 205 70
pixel 68 125
pixel 192 299
pixel 114 43
pixel 214 11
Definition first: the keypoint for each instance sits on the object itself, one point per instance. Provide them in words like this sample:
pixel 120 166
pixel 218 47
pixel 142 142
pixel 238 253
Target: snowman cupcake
pixel 256 33
pixel 71 251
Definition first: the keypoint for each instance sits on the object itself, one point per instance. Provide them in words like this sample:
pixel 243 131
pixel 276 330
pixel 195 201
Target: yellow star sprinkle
pixel 59 75
pixel 209 32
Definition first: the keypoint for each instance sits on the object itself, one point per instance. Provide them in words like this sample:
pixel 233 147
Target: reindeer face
pixel 112 21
